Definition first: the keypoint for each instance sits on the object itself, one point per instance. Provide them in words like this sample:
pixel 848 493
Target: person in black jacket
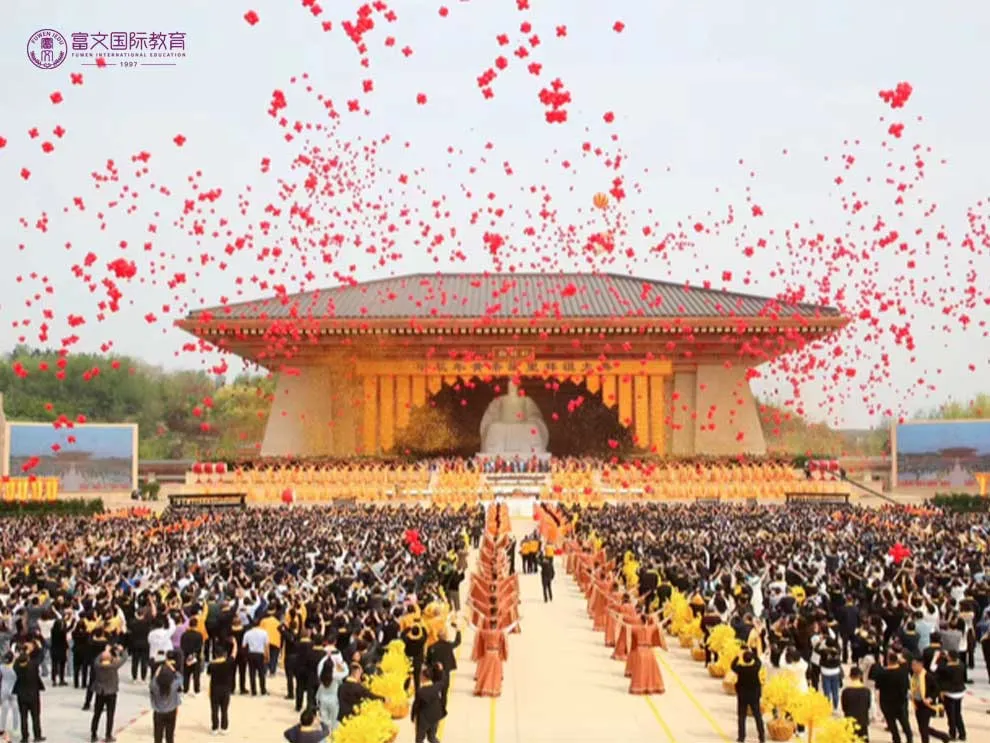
pixel 60 652
pixel 441 654
pixel 28 687
pixel 352 693
pixel 221 671
pixel 191 645
pixel 749 690
pixel 414 638
pixel 304 669
pixel 856 701
pixel 139 628
pixel 951 676
pixel 546 577
pixel 893 680
pixel 927 701
pixel 427 710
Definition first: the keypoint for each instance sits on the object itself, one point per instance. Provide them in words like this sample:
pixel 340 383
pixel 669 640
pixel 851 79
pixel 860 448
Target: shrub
pixel 60 508
pixel 960 502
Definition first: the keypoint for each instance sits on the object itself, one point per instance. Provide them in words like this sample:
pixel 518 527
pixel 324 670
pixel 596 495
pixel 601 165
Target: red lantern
pixel 197 468
pixel 208 468
pixel 221 468
pixel 287 496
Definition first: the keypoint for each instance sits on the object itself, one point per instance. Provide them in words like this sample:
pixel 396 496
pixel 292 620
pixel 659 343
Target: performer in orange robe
pixel 494 649
pixel 626 618
pixel 642 666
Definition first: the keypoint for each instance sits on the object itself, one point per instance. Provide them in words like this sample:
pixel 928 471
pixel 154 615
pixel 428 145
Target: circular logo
pixel 47 49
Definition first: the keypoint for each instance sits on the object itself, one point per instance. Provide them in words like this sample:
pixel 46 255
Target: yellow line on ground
pixel 656 714
pixel 697 703
pixel 491 722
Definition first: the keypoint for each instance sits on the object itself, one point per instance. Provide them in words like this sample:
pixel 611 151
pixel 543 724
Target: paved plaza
pixel 560 685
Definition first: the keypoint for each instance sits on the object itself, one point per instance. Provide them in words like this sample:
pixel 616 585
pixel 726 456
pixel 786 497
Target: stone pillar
pixel 418 391
pixel 641 408
pixel 683 413
pixel 386 407
pixel 403 402
pixel 4 444
pixel 728 422
pixel 369 427
pixel 348 402
pixel 658 414
pixel 299 422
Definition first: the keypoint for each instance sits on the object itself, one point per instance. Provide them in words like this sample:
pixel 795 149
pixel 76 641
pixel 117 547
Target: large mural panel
pixel 85 457
pixel 940 454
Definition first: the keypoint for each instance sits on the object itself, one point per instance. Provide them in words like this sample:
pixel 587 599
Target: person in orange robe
pixel 494 650
pixel 626 618
pixel 642 666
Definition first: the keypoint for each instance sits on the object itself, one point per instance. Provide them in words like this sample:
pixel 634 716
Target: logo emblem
pixel 46 49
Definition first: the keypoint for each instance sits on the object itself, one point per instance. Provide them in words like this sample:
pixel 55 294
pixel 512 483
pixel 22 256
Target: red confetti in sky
pixel 338 194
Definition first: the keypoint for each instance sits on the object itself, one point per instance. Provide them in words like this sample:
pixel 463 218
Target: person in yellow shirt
pixel 270 624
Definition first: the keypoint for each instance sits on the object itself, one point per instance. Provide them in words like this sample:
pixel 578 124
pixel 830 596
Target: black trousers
pixel 548 591
pixel 749 703
pixel 109 704
pixel 30 708
pixel 139 663
pixel 164 726
pixel 426 731
pixel 192 675
pixel 923 717
pixel 290 676
pixel 256 663
pixel 242 665
pixel 58 668
pixel 953 715
pixel 894 716
pixel 80 667
pixel 304 691
pixel 219 709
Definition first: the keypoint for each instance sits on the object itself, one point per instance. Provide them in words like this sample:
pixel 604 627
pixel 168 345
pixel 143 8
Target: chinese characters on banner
pixel 129 43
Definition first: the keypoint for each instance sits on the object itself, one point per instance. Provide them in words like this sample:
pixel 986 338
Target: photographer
pixel 105 683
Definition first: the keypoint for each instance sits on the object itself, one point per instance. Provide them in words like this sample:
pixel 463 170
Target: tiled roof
pixel 506 296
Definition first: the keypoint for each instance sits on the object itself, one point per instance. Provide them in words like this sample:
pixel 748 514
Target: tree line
pixel 183 414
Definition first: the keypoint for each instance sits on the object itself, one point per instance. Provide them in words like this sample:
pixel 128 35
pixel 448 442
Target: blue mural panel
pixel 85 457
pixel 942 454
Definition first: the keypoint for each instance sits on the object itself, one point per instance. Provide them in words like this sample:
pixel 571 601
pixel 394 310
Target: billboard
pixel 84 457
pixel 939 454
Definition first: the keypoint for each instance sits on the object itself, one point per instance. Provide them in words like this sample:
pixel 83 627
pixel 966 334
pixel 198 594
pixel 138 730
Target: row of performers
pixel 630 630
pixel 493 600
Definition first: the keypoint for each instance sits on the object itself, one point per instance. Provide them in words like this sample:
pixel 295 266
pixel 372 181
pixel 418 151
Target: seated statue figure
pixel 513 423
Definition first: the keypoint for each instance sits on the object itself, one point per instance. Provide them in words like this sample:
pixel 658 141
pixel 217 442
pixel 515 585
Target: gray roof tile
pixel 506 296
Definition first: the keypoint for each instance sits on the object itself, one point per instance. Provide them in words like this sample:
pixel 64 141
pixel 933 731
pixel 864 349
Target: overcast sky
pixel 788 88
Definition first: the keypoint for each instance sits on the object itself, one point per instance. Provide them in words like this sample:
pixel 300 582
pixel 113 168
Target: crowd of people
pixel 316 594
pixel 883 610
pixel 890 600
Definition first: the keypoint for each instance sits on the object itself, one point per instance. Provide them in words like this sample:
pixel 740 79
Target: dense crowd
pixel 225 595
pixel 902 594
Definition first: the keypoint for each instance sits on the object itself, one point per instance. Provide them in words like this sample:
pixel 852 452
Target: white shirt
pixel 256 640
pixel 160 641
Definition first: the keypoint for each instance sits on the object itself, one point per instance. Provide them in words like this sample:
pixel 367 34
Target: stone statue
pixel 513 424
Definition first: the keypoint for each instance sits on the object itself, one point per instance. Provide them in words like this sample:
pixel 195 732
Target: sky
pixel 714 104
